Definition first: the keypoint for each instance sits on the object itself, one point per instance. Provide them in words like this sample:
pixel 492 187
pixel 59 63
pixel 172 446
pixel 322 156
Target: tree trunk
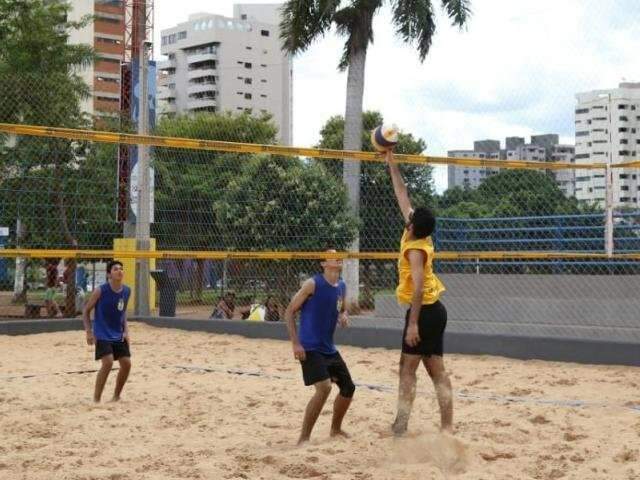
pixel 19 281
pixel 351 172
pixel 70 269
pixel 199 280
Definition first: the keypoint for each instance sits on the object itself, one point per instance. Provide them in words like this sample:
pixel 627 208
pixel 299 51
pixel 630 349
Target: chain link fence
pixel 238 221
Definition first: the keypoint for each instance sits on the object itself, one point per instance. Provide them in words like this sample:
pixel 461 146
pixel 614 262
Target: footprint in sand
pixel 443 450
pixel 299 471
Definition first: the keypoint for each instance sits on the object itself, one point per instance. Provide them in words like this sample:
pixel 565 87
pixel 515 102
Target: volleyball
pixel 384 137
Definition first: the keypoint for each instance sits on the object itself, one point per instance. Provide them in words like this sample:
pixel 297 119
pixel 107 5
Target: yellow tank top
pixel 433 287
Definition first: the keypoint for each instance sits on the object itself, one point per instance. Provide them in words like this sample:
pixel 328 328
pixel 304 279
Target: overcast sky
pixel 513 71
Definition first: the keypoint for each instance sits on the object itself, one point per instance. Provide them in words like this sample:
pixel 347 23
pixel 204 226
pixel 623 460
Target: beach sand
pixel 240 418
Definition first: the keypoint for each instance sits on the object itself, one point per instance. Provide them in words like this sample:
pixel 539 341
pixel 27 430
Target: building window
pixel 108 19
pixel 625 188
pixel 109 40
pixel 582 155
pixel 248 81
pixel 624 175
pixel 623 153
pixel 249 48
pixel 622 106
pixel 248 110
pixel 263 65
pixel 263 95
pixel 624 118
pixel 623 129
pixel 264 33
pixel 264 80
pixel 583 133
pixel 582 110
pixel 625 199
pixel 247 65
pixel 182 35
pixel 109 80
pixel 247 96
pixel 624 141
pixel 243 16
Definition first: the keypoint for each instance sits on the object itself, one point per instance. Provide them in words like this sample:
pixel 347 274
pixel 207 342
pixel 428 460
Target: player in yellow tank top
pixel 426 318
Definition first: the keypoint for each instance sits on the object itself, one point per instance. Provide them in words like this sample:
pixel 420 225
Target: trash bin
pixel 167 288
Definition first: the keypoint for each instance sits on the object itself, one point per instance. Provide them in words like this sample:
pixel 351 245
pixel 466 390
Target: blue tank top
pixel 108 323
pixel 319 316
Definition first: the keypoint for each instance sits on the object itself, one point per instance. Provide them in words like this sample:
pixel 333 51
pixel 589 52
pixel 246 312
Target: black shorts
pixel 431 324
pixel 317 367
pixel 117 349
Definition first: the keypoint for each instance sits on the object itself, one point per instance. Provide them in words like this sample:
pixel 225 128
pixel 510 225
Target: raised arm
pixel 307 289
pixel 399 187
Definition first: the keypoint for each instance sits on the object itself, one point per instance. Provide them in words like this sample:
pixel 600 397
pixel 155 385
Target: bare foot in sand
pixel 339 433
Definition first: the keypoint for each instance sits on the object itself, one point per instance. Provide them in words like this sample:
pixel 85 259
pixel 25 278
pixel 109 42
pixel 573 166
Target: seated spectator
pixel 225 307
pixel 52 284
pixel 272 310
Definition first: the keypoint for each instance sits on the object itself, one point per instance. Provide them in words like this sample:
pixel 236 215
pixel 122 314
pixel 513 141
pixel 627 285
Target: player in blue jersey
pixel 320 301
pixel 110 332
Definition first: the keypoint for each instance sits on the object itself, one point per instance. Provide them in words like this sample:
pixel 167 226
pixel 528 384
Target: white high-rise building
pixel 219 64
pixel 608 131
pixel 566 179
pixel 466 176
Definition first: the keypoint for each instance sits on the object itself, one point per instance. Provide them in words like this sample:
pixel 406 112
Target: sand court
pixel 210 406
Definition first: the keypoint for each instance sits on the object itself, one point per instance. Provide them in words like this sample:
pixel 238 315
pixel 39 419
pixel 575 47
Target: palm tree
pixel 304 21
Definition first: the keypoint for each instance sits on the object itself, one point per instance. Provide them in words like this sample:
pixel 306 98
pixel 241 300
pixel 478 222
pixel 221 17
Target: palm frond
pixel 356 23
pixel 459 11
pixel 305 20
pixel 415 23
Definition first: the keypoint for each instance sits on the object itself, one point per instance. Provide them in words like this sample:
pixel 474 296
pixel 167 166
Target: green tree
pixel 284 204
pixel 305 21
pixel 41 85
pixel 190 182
pixel 381 220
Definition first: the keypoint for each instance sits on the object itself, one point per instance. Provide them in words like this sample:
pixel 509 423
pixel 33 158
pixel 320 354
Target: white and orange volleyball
pixel 384 137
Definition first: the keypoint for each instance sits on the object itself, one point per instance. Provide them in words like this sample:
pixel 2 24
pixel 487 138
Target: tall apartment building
pixel 542 148
pixel 470 177
pixel 608 131
pixel 566 179
pixel 106 35
pixel 217 64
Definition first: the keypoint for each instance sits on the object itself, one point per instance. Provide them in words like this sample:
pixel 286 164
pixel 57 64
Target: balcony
pixel 201 72
pixel 201 87
pixel 166 93
pixel 167 64
pixel 201 57
pixel 196 103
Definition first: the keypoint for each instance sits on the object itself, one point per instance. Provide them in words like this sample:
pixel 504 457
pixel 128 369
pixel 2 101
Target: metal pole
pixel 143 229
pixel 608 225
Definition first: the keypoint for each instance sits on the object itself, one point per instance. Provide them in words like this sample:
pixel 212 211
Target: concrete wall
pixel 514 346
pixel 587 307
